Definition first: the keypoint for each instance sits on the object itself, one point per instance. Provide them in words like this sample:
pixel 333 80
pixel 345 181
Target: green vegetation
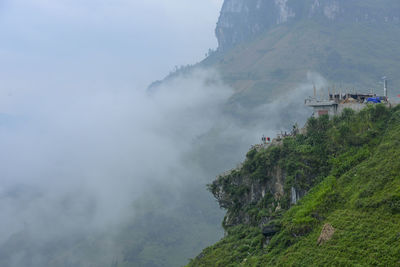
pixel 278 61
pixel 350 166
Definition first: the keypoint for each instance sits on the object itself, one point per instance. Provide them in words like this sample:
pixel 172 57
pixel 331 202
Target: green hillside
pixel 270 64
pixel 348 55
pixel 352 164
pixel 273 64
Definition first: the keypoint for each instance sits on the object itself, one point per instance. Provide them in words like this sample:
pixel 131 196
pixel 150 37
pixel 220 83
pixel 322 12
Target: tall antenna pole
pixel 334 89
pixel 334 94
pixel 385 87
pixel 315 91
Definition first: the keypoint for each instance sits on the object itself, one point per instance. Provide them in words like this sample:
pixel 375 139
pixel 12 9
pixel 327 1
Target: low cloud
pixel 75 160
pixel 81 159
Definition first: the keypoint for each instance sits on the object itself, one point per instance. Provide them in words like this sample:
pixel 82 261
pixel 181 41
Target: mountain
pixel 241 20
pixel 340 172
pixel 328 195
pixel 267 47
pixel 267 50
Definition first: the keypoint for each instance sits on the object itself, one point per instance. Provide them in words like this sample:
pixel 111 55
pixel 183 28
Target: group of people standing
pixel 265 139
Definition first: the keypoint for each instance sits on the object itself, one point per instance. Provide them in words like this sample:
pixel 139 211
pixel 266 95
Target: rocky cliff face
pixel 257 190
pixel 238 193
pixel 241 20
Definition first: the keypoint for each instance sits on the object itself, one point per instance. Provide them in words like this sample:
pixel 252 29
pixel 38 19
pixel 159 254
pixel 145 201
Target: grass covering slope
pixel 359 196
pixel 278 61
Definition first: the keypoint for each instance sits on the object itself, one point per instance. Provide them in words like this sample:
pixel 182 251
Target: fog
pixel 73 106
pixel 103 147
pixel 82 140
pixel 280 114
pixel 73 162
pixel 100 147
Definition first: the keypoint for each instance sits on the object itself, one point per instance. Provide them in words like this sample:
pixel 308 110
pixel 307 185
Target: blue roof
pixel 374 100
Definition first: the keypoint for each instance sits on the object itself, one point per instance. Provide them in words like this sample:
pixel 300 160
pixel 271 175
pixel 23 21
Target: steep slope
pixel 241 20
pixel 350 56
pixel 350 167
pixel 266 50
pixel 268 47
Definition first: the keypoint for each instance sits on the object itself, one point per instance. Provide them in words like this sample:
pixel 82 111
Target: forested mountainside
pixel 346 173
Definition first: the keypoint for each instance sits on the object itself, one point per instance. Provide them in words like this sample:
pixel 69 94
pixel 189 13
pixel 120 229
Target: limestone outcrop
pixel 241 20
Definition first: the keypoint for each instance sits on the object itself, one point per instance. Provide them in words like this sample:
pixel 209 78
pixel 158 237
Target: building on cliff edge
pixel 335 103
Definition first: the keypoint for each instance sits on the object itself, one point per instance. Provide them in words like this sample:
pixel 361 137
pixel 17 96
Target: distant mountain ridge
pixel 268 49
pixel 244 19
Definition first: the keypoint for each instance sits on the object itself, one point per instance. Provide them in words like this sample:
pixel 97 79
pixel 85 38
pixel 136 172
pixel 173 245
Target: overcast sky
pixel 76 44
pixel 75 122
pixel 80 139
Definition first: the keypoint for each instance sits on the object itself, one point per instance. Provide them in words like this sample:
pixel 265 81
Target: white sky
pixel 72 124
pixel 79 44
pixel 74 117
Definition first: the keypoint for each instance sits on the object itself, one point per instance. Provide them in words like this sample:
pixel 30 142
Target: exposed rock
pixel 296 195
pixel 243 190
pixel 252 192
pixel 326 234
pixel 270 230
pixel 241 20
